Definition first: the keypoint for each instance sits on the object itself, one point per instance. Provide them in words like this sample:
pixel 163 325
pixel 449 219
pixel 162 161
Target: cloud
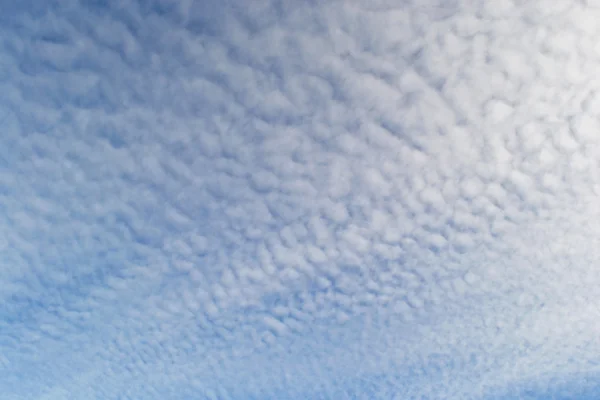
pixel 229 201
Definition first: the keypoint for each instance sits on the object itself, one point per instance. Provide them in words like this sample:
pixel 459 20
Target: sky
pixel 285 199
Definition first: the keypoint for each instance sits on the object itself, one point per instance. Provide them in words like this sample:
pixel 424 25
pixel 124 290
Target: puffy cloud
pixel 228 201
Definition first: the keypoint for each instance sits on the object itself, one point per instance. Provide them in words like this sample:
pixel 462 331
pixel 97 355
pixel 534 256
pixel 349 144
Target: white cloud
pixel 211 201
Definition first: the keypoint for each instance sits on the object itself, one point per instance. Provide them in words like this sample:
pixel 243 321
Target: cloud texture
pixel 284 199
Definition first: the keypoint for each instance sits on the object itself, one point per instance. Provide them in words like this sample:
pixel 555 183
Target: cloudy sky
pixel 328 199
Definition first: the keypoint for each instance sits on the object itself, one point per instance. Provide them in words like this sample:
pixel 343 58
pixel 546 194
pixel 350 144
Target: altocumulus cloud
pixel 299 199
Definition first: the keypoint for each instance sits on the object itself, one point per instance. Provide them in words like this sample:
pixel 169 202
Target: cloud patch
pixel 229 201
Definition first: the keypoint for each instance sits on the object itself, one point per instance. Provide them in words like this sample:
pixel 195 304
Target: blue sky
pixel 299 199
